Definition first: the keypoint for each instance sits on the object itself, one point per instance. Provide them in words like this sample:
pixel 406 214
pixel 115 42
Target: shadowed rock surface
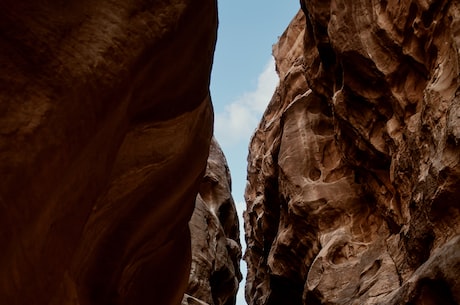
pixel 216 248
pixel 105 125
pixel 353 177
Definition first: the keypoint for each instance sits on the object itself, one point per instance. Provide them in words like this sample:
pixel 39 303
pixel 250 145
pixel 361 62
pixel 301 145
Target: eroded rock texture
pixel 216 248
pixel 354 177
pixel 105 125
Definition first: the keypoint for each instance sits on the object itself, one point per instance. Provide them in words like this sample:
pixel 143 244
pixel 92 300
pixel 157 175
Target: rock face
pixel 105 125
pixel 354 175
pixel 216 248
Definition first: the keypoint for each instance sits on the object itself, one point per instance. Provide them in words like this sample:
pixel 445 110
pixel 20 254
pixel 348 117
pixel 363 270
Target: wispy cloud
pixel 239 119
pixel 233 128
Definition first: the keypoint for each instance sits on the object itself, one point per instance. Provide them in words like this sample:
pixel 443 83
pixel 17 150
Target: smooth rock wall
pixel 105 127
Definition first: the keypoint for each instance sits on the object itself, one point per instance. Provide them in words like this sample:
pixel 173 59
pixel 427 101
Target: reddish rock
pixel 216 248
pixel 105 125
pixel 353 175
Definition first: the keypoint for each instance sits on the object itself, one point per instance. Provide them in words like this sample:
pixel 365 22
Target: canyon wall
pixel 353 192
pixel 105 127
pixel 216 248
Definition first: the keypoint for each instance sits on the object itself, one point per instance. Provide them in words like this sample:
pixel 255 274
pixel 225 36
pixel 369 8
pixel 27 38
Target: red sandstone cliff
pixel 353 192
pixel 216 248
pixel 105 126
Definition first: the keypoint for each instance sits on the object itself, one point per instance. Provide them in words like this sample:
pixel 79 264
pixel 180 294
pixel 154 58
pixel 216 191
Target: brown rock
pixel 216 248
pixel 353 176
pixel 263 216
pixel 105 124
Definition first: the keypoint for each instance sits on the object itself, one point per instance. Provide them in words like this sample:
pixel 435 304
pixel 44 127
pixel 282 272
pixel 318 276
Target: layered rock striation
pixel 216 248
pixel 105 127
pixel 353 176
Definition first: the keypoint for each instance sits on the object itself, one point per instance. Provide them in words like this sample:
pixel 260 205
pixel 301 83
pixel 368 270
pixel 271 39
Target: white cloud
pixel 240 118
pixel 233 127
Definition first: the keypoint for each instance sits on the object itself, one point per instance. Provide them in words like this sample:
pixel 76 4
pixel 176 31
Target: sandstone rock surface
pixel 216 248
pixel 105 125
pixel 353 192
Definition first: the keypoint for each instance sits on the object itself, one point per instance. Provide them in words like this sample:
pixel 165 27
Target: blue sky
pixel 243 80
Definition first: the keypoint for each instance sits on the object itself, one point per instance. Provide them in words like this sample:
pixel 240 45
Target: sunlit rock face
pixel 216 248
pixel 105 127
pixel 354 176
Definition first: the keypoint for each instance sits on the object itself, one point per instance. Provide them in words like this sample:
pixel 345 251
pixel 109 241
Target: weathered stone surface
pixel 262 216
pixel 216 248
pixel 353 177
pixel 105 125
